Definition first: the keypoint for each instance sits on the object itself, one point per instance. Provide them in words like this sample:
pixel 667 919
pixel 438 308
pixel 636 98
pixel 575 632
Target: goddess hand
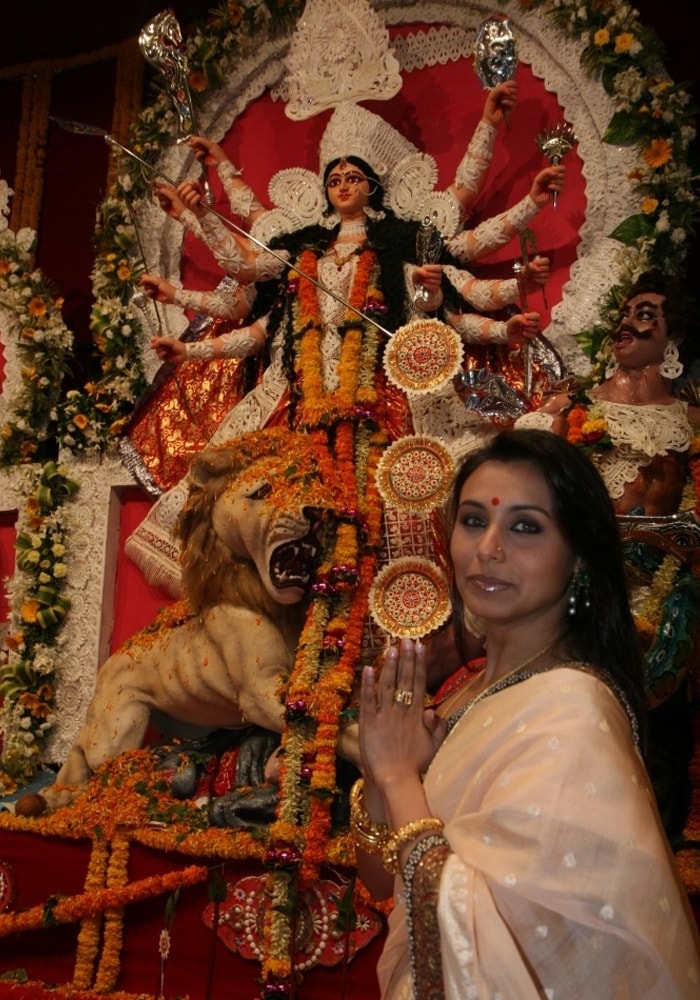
pixel 168 199
pixel 537 273
pixel 157 288
pixel 169 349
pixel 500 102
pixel 207 152
pixel 547 183
pixel 522 327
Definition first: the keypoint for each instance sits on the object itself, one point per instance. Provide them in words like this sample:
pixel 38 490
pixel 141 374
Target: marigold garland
pixel 90 927
pixel 113 933
pixel 73 908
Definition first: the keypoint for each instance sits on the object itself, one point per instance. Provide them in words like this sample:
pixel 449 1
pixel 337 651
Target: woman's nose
pixel 490 546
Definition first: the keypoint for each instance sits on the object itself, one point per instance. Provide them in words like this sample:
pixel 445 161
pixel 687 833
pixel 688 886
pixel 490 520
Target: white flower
pixel 25 239
pixel 662 223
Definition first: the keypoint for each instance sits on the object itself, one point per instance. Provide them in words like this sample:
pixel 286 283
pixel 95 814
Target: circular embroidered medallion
pixel 414 474
pixel 410 598
pixel 7 886
pixel 423 355
pixel 318 940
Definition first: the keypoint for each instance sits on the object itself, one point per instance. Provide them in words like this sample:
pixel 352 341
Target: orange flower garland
pixel 67 911
pixel 342 425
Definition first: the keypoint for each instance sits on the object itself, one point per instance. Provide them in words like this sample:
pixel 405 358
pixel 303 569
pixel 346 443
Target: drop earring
pixel 671 367
pixel 580 595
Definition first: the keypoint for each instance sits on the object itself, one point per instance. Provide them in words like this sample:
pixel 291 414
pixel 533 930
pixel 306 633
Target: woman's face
pixel 511 562
pixel 348 190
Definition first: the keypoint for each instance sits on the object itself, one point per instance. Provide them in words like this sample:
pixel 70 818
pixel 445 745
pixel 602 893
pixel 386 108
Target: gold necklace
pixel 512 677
pixel 339 261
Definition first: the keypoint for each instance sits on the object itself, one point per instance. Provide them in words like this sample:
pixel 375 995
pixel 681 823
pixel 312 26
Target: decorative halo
pixel 410 598
pixel 423 355
pixel 414 474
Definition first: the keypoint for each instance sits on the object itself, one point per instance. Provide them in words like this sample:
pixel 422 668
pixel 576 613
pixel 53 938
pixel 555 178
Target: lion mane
pixel 211 573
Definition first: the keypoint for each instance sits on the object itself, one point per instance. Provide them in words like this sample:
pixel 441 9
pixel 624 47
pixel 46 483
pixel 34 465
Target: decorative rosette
pixel 242 915
pixel 414 474
pixel 423 355
pixel 410 598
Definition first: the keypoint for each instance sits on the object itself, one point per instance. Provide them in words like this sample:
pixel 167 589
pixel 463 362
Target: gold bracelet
pixel 390 854
pixel 371 837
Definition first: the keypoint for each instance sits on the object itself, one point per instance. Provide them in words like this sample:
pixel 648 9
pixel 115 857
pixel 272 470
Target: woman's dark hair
pixel 376 194
pixel 603 634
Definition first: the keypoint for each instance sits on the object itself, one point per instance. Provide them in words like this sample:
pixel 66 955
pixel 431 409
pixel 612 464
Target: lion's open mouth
pixel 293 563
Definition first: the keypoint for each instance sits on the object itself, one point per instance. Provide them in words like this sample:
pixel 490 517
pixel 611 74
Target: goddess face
pixel 348 190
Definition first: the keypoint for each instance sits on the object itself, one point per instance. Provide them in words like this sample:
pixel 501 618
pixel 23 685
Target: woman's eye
pixel 472 521
pixel 526 526
pixel 262 491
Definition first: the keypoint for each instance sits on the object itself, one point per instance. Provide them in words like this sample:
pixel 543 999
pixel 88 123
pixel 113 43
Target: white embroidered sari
pixel 561 884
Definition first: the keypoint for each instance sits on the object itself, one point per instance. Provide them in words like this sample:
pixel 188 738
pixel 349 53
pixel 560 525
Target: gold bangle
pixel 371 837
pixel 390 854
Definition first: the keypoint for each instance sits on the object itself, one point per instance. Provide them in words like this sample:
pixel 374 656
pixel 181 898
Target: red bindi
pixel 495 501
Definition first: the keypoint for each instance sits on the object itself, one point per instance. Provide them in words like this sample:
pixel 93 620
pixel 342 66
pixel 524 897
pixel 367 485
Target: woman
pixel 518 812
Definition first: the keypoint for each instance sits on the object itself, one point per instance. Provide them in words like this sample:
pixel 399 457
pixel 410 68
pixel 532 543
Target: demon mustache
pixel 626 330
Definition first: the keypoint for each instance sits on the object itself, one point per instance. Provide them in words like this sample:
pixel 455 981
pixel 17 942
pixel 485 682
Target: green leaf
pixel 623 129
pixel 632 229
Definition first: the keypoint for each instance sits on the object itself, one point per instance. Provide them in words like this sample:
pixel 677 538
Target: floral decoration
pixel 30 314
pixel 38 609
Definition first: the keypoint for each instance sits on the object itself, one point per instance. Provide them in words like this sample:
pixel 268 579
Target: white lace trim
pixel 475 329
pixel 485 294
pixel 492 233
pixel 224 304
pixel 639 434
pixel 241 197
pixel 477 158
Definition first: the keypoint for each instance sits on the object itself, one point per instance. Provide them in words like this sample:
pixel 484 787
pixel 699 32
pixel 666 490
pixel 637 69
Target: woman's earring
pixel 671 366
pixel 580 595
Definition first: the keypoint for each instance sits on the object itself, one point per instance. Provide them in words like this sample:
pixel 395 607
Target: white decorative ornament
pixel 300 194
pixel 339 53
pixel 671 367
pixel 270 224
pixel 355 131
pixel 411 180
pixel 443 209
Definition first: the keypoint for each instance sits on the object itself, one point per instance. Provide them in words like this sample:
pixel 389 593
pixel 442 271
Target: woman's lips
pixel 491 584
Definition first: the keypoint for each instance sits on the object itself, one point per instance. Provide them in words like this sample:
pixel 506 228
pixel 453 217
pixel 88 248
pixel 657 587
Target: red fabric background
pixel 43 867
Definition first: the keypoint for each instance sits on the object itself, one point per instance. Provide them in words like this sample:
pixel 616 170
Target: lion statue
pixel 251 533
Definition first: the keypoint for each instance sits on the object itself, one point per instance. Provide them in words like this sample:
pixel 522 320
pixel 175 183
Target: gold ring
pixel 403 697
